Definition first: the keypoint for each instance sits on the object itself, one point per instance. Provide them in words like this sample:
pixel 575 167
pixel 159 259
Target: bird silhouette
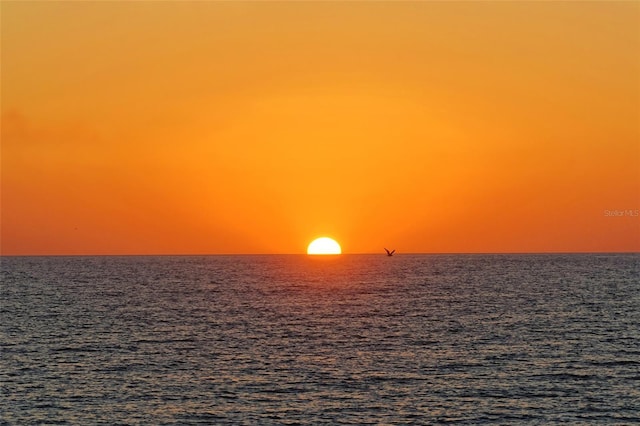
pixel 390 253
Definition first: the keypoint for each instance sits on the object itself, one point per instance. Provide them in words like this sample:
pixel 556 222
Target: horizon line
pixel 305 254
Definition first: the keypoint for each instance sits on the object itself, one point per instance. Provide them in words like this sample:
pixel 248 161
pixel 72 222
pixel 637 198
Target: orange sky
pixel 254 127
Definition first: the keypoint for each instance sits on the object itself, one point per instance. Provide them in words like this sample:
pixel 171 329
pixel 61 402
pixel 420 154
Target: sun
pixel 324 245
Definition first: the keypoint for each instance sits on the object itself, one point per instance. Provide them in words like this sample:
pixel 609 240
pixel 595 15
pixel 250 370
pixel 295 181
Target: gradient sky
pixel 254 127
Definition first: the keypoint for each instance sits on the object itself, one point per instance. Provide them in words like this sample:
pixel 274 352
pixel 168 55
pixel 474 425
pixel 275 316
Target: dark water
pixel 362 339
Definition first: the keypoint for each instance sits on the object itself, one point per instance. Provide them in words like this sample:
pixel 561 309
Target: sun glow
pixel 324 245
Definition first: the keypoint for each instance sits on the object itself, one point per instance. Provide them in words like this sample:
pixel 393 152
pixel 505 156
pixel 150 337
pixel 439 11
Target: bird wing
pixel 386 250
pixel 393 251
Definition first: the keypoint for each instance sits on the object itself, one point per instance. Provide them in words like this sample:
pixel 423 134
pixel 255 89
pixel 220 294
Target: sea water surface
pixel 353 339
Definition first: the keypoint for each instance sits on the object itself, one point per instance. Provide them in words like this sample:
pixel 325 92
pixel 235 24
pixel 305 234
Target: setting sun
pixel 324 245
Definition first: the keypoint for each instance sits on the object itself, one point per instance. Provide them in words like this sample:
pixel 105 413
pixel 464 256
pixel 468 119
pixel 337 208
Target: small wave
pixel 567 376
pixel 77 349
pixel 614 363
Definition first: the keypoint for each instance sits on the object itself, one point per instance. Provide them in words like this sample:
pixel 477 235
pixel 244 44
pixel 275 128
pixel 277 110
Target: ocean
pixel 293 339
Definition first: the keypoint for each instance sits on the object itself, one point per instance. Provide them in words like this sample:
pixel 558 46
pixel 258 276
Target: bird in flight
pixel 390 253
